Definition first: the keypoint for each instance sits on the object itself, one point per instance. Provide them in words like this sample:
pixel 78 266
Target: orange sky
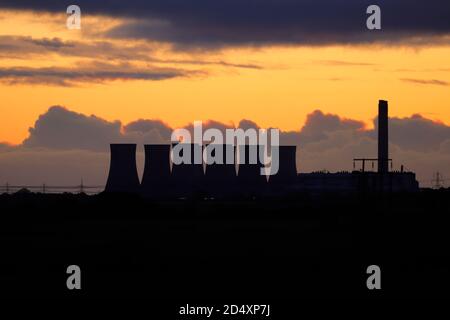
pixel 289 83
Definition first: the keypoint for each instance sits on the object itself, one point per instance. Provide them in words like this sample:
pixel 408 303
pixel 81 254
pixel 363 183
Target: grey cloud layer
pixel 60 128
pixel 21 47
pixel 207 23
pixel 24 47
pixel 426 82
pixel 65 141
pixel 92 73
pixel 124 62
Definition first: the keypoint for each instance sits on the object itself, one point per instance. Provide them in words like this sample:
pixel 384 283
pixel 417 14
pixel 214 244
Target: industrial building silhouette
pixel 123 175
pixel 221 179
pixel 383 134
pixel 162 178
pixel 187 179
pixel 157 173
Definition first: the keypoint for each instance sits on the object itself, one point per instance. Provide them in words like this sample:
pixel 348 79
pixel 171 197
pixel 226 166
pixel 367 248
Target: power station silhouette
pixel 163 178
pixel 123 175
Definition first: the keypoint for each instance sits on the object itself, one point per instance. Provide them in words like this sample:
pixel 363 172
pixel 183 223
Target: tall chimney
pixel 383 137
pixel 123 176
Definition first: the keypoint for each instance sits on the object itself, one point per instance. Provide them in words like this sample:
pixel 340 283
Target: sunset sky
pixel 272 62
pixel 274 84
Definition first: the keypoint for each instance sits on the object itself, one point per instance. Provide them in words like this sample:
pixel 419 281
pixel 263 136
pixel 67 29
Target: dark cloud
pixel 92 73
pixel 426 82
pixel 21 47
pixel 206 23
pixel 54 43
pixel 24 47
pixel 12 44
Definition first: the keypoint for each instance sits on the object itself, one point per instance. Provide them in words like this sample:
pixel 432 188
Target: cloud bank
pixel 64 146
pixel 89 73
pixel 205 23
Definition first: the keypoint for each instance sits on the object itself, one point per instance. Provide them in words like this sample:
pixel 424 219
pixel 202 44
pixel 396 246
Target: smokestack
pixel 220 179
pixel 188 178
pixel 383 138
pixel 287 171
pixel 155 180
pixel 123 176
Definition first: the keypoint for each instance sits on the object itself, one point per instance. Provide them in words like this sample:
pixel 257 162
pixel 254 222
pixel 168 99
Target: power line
pixel 44 188
pixel 438 180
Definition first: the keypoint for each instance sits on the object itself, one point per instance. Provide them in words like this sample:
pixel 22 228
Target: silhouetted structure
pixel 123 176
pixel 220 178
pixel 356 182
pixel 250 179
pixel 287 170
pixel 155 180
pixel 188 179
pixel 383 137
pixel 368 160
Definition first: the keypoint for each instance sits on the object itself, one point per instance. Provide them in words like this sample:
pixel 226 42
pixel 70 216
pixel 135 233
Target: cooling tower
pixel 123 176
pixel 155 181
pixel 187 179
pixel 220 178
pixel 250 180
pixel 287 168
pixel 383 137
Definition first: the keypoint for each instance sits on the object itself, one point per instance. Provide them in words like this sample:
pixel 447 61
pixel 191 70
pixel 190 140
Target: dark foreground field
pixel 240 250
